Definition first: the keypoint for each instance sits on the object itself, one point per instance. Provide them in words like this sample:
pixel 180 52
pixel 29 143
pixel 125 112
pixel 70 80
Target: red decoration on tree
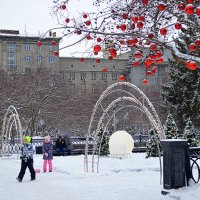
pixel 123 27
pixel 121 78
pixel 141 18
pixel 181 6
pixel 104 69
pixel 189 9
pixel 192 47
pixel 78 32
pixel 132 26
pixel 145 2
pixel 85 15
pixel 135 19
pixel 113 52
pixel 163 31
pixel 67 20
pixel 88 23
pixel 139 24
pixel 161 7
pixel 159 54
pixel 137 54
pixel 197 42
pixel 125 16
pixel 150 35
pixel 82 59
pixel 99 39
pixel 149 73
pixel 193 65
pixel 145 82
pixel 39 44
pixel 135 64
pixel 88 37
pixel 178 26
pixel 97 61
pixel 153 46
pixel 110 57
pixel 53 43
pixel 97 48
pixel 190 1
pixel 198 11
pixel 63 7
pixel 154 70
pixel 55 53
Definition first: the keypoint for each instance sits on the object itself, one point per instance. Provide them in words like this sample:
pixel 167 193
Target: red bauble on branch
pixel 88 37
pixel 85 15
pixel 39 44
pixel 123 27
pixel 104 69
pixel 189 9
pixel 137 54
pixel 150 35
pixel 193 65
pixel 139 24
pixel 82 59
pixel 135 19
pixel 55 53
pixel 197 42
pixel 192 47
pixel 145 82
pixel 135 64
pixel 190 1
pixel 198 11
pixel 153 46
pixel 145 2
pixel 97 48
pixel 178 26
pixel 141 18
pixel 97 61
pixel 99 39
pixel 67 20
pixel 161 7
pixel 121 78
pixel 163 31
pixel 181 6
pixel 88 23
pixel 63 7
pixel 53 43
pixel 125 16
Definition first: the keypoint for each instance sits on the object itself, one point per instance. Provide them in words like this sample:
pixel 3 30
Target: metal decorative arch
pixel 144 106
pixel 11 118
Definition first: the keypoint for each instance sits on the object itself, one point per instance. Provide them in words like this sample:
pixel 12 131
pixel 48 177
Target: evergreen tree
pixel 190 134
pixel 152 148
pixel 170 128
pixel 104 151
pixel 181 93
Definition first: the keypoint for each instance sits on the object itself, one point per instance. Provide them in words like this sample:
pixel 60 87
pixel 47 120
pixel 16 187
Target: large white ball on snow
pixel 121 143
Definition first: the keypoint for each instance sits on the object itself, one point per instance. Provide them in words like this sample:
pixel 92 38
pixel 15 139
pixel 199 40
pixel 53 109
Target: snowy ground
pixel 134 178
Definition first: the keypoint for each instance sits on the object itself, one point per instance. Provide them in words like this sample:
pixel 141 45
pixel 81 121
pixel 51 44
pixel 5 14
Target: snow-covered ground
pixel 134 178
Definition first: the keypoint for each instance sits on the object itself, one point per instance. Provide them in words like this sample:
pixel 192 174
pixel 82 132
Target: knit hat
pixel 47 138
pixel 27 139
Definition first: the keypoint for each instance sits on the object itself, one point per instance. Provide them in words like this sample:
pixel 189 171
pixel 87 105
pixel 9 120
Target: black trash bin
pixel 176 163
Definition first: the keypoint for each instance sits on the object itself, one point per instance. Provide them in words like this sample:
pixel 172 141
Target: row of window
pixel 39 59
pixel 27 47
pixel 83 87
pixel 93 76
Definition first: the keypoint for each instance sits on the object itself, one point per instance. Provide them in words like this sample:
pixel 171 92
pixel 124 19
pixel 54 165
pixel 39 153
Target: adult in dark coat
pixel 68 143
pixel 60 145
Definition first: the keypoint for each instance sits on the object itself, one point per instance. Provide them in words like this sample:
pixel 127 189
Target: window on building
pixel 83 76
pixel 114 76
pixel 51 48
pixel 104 76
pixel 93 76
pixel 83 87
pixel 39 59
pixel 39 48
pixel 27 59
pixel 72 86
pixel 11 55
pixel 27 70
pixel 94 88
pixel 72 75
pixel 51 59
pixel 27 47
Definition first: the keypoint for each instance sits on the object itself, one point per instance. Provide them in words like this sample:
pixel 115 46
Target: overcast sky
pixel 33 16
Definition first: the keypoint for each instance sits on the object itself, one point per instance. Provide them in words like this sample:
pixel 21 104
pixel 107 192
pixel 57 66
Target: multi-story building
pixel 19 53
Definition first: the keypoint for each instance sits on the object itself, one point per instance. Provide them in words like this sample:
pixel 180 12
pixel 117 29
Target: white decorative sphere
pixel 121 143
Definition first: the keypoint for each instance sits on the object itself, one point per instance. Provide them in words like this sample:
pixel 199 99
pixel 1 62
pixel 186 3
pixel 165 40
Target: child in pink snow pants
pixel 47 150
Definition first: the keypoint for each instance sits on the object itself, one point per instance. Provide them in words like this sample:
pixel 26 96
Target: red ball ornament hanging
pixel 104 69
pixel 137 54
pixel 53 43
pixel 193 65
pixel 88 23
pixel 189 9
pixel 159 54
pixel 63 7
pixel 145 81
pixel 161 7
pixel 198 11
pixel 153 46
pixel 141 18
pixel 55 53
pixel 178 26
pixel 163 31
pixel 85 15
pixel 149 73
pixel 197 42
pixel 99 39
pixel 132 26
pixel 121 78
pixel 97 48
pixel 97 61
pixel 135 19
pixel 139 24
pixel 78 32
pixel 110 57
pixel 82 59
pixel 187 63
pixel 145 2
pixel 88 37
pixel 67 20
pixel 125 16
pixel 190 1
pixel 154 70
pixel 181 6
pixel 150 35
pixel 39 44
pixel 192 47
pixel 135 64
pixel 123 27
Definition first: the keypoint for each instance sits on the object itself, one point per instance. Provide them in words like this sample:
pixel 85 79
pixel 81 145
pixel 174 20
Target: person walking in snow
pixel 60 145
pixel 27 151
pixel 47 150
